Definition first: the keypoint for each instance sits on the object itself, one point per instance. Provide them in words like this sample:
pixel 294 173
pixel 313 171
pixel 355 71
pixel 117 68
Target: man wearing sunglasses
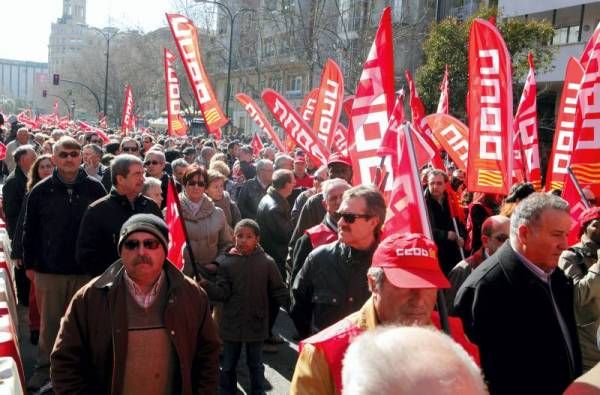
pixel 52 219
pixel 494 232
pixel 101 223
pixel 331 283
pixel 142 327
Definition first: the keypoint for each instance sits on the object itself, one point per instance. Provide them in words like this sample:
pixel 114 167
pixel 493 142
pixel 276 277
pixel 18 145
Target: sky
pixel 30 21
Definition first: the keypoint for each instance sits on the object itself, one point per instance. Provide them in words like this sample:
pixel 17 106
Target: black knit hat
pixel 145 223
pixel 519 192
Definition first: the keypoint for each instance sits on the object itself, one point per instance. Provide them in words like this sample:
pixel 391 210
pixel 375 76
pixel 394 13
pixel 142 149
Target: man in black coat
pixel 102 221
pixel 53 215
pixel 519 309
pixel 255 188
pixel 440 218
pixel 13 193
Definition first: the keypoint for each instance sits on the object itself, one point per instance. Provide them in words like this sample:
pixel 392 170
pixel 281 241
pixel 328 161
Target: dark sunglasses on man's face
pixel 351 217
pixel 150 244
pixel 130 149
pixel 151 162
pixel 72 154
pixel 201 184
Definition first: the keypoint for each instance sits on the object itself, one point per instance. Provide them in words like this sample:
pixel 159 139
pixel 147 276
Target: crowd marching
pixel 149 260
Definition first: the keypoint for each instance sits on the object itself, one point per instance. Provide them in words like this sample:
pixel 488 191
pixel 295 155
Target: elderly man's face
pixel 358 228
pixel 27 160
pixel 154 166
pixel 143 257
pixel 22 136
pixel 266 174
pixel 543 242
pixel 402 306
pixel 90 157
pixel 499 235
pixel 178 172
pixel 437 186
pixel 334 200
pixel 155 193
pixel 133 183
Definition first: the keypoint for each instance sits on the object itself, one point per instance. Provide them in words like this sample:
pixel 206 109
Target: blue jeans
pixel 229 360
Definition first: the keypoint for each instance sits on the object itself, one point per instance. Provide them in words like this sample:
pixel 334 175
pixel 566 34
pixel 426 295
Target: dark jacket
pixel 13 192
pixel 100 227
pixel 245 283
pixel 508 312
pixel 441 223
pixel 90 350
pixel 52 219
pixel 250 194
pixel 273 217
pixel 248 169
pixel 331 285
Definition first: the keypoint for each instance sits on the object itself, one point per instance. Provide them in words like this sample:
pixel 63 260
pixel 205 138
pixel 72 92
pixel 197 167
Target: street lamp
pixel 232 17
pixel 108 35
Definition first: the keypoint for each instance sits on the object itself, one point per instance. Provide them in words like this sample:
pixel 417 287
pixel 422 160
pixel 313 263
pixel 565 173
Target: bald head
pixel 494 232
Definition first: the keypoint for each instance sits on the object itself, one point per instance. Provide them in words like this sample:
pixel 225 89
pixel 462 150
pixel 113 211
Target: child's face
pixel 245 240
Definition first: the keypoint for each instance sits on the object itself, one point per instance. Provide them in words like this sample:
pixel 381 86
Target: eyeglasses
pixel 201 184
pixel 72 154
pixel 351 217
pixel 150 244
pixel 130 149
pixel 501 237
pixel 152 162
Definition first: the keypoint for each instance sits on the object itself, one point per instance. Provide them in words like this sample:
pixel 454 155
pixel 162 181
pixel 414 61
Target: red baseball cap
pixel 588 215
pixel 410 260
pixel 336 157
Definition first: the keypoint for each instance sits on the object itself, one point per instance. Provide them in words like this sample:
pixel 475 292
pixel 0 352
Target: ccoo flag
pixel 176 125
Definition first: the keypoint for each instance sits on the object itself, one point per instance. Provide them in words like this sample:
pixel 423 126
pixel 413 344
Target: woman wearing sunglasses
pixel 207 228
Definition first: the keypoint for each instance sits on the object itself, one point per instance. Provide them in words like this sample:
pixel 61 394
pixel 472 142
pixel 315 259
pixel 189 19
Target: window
pixel 295 83
pixel 565 35
pixel 276 83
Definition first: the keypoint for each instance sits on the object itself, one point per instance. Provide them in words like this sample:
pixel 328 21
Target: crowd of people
pixel 272 232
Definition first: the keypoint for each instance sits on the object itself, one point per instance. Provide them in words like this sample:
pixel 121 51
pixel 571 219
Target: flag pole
pixel 185 232
pixel 578 187
pixel 441 301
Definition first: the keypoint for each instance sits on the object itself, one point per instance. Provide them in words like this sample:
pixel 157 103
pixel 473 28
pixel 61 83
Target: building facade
pixel 19 79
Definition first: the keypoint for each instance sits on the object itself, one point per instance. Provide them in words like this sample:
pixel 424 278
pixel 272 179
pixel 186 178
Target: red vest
pixel 321 234
pixel 335 340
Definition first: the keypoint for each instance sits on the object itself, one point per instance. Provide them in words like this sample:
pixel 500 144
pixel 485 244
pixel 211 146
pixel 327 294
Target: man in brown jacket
pixel 141 327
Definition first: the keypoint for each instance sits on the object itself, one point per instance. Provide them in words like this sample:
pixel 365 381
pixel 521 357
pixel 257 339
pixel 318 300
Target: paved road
pixel 279 367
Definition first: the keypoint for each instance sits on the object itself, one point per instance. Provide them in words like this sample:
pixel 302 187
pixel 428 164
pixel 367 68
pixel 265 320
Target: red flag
pixel 2 151
pixel 308 106
pixel 587 51
pixel 176 227
pixel 577 204
pixel 490 159
pixel 256 144
pixel 372 107
pixel 407 212
pixel 176 125
pixel 453 136
pixel 102 123
pixel 329 103
pixel 260 119
pixel 519 174
pixel 584 161
pixel 347 106
pixel 443 105
pixel 526 127
pixel 26 120
pixel 90 129
pixel 389 142
pixel 295 126
pixel 186 38
pixel 565 134
pixel 340 139
pixel 127 119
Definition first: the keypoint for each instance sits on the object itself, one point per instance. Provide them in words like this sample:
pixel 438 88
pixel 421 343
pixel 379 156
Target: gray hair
pixel 328 185
pixel 155 153
pixel 437 172
pixel 120 166
pixel 206 151
pixel 94 147
pixel 150 182
pixel 280 159
pixel 21 151
pixel 374 201
pixel 412 350
pixel 180 162
pixel 377 274
pixel 530 209
pixel 262 164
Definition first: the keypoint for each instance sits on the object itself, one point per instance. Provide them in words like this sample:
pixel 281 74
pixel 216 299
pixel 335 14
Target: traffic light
pixel 55 79
pixel 44 93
